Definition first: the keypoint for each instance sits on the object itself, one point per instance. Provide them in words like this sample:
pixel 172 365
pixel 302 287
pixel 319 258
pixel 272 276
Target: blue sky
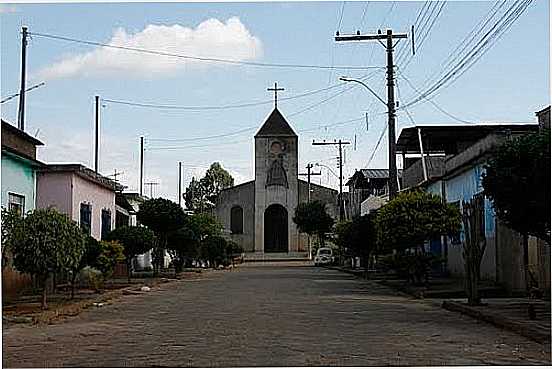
pixel 508 84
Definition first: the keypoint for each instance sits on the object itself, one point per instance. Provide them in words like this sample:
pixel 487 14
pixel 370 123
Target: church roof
pixel 275 125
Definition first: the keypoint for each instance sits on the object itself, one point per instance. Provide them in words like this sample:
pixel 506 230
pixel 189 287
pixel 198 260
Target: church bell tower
pixel 276 184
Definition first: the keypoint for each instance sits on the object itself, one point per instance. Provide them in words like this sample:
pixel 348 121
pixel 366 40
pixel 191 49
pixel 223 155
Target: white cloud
pixel 211 38
pixel 4 9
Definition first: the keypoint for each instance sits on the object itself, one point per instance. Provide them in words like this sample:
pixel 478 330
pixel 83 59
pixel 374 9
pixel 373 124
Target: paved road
pixel 268 316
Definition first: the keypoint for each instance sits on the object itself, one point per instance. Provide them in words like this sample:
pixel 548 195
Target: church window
pixel 236 220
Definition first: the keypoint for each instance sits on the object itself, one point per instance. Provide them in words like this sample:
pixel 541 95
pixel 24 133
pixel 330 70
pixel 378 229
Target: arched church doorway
pixel 275 229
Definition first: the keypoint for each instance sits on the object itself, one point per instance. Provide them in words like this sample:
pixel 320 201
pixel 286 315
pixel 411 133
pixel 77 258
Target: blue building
pixel 454 161
pixel 19 168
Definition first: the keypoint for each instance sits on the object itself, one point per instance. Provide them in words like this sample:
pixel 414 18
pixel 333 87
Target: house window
pixel 16 203
pixel 236 220
pixel 86 218
pixel 106 222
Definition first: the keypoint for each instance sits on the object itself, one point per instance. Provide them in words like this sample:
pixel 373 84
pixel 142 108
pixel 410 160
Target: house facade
pixel 368 190
pixel 85 196
pixel 459 181
pixel 19 169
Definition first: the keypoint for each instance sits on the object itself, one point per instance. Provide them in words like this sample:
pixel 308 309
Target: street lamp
pixel 393 181
pixel 327 167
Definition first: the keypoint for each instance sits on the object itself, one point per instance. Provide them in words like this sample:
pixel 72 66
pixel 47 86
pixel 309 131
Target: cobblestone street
pixel 268 316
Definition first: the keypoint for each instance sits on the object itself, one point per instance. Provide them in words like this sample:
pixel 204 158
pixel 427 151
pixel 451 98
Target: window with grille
pixel 16 203
pixel 86 218
pixel 106 222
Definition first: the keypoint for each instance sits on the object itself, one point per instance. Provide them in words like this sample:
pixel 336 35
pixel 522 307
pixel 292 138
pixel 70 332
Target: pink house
pixel 86 196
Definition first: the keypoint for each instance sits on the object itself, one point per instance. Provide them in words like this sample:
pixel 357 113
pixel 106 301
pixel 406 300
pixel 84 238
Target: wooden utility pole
pixel 389 36
pixel 180 183
pixel 141 166
pixel 309 174
pixel 340 144
pixel 21 111
pixel 97 134
pixel 115 175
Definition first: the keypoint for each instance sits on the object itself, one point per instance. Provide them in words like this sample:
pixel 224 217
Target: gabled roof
pixel 372 174
pixel 85 173
pixel 275 125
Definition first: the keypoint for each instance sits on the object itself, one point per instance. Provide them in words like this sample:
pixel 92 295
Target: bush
pixel 135 240
pixel 415 268
pixel 111 254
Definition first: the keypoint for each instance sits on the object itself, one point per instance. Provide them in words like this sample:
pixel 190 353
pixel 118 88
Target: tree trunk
pixel 44 304
pixel 129 266
pixel 526 261
pixel 73 281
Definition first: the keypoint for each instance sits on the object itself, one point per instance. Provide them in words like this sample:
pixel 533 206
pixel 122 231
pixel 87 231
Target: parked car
pixel 324 256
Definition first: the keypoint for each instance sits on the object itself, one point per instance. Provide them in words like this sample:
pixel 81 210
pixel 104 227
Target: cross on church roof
pixel 275 89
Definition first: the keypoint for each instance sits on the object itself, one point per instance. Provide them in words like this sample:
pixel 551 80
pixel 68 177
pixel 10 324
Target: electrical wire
pixel 199 58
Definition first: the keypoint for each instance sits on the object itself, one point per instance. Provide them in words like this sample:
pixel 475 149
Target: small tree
pixel 46 241
pixel 90 255
pixel 183 246
pixel 213 249
pixel 409 220
pixel 135 240
pixel 232 250
pixel 312 218
pixel 201 195
pixel 163 217
pixel 517 180
pixel 111 254
pixel 10 219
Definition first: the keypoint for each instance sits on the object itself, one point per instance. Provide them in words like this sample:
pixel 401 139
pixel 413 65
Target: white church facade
pixel 258 214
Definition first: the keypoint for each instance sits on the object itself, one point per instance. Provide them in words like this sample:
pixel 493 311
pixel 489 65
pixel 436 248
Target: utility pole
pixel 340 144
pixel 115 175
pixel 151 184
pixel 309 174
pixel 180 183
pixel 21 111
pixel 389 36
pixel 97 128
pixel 141 166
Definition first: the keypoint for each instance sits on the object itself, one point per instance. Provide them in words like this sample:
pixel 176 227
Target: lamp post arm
pixel 366 86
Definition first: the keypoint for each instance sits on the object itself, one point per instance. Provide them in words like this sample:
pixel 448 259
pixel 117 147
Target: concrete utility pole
pixel 309 174
pixel 151 184
pixel 21 111
pixel 141 166
pixel 340 144
pixel 180 183
pixel 97 136
pixel 389 36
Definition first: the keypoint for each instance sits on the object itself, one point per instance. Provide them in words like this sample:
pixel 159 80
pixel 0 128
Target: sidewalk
pixel 511 314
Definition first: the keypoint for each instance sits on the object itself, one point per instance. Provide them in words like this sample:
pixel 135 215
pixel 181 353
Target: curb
pixel 539 335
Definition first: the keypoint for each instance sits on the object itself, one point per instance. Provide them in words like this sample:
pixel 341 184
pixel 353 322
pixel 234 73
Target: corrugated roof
pixel 275 125
pixel 378 173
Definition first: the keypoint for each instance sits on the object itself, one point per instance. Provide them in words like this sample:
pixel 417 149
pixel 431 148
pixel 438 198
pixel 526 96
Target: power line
pixel 477 51
pixel 219 107
pixel 199 58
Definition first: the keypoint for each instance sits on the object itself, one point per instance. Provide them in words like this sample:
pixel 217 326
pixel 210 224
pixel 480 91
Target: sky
pixel 507 84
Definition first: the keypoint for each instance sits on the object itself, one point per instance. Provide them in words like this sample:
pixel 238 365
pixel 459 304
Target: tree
pixel 183 245
pixel 412 218
pixel 46 241
pixel 213 249
pixel 201 195
pixel 473 219
pixel 111 254
pixel 232 250
pixel 135 240
pixel 204 225
pixel 407 222
pixel 89 257
pixel 162 216
pixel 357 237
pixel 517 180
pixel 312 218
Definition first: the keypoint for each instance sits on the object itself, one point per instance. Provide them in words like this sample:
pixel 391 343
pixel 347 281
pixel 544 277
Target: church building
pixel 258 214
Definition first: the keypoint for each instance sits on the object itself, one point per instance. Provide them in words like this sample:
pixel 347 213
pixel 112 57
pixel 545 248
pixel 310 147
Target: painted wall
pixel 65 191
pixel 463 187
pixel 18 177
pixel 99 197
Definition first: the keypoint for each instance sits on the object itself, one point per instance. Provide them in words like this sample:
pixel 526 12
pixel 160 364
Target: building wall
pixel 462 187
pixel 266 196
pixel 54 190
pixel 99 197
pixel 65 191
pixel 244 196
pixel 19 178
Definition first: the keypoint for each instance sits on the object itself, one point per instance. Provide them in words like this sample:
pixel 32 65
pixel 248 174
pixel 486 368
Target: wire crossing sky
pixel 192 78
